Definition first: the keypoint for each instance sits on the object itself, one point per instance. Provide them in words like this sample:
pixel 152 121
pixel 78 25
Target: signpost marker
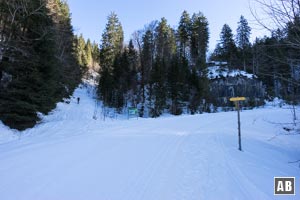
pixel 132 111
pixel 237 100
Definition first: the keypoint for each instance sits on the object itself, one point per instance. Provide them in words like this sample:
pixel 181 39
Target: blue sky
pixel 89 17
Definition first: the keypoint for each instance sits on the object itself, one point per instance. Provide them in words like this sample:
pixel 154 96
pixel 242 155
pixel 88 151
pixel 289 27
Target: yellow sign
pixel 237 99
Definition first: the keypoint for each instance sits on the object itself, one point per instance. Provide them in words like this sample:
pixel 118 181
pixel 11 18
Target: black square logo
pixel 284 185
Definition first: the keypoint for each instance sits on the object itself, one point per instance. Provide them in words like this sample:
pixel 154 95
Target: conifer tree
pixel 132 56
pixel 81 52
pixel 112 41
pixel 184 33
pixel 226 49
pixel 165 49
pixel 243 40
pixel 177 79
pixel 165 41
pixel 133 73
pixel 197 79
pixel 199 40
pixel 147 57
pixel 95 54
pixel 110 48
pixel 88 52
pixel 158 87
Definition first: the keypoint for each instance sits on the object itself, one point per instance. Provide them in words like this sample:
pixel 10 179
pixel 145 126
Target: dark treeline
pixel 38 64
pixel 274 59
pixel 277 63
pixel 166 69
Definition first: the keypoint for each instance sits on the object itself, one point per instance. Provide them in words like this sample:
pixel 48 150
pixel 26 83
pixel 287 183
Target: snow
pixel 71 156
pixel 276 102
pixel 218 72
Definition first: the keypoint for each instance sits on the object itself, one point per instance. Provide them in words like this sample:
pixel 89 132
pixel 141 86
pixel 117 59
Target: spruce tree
pixel 199 40
pixel 243 40
pixel 226 50
pixel 198 74
pixel 147 57
pixel 110 48
pixel 88 53
pixel 22 98
pixel 165 49
pixel 81 51
pixel 132 56
pixel 95 55
pixel 133 73
pixel 184 33
pixel 177 73
pixel 112 41
pixel 165 41
pixel 158 87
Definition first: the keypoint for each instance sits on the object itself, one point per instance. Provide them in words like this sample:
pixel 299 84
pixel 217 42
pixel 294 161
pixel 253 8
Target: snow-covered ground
pixel 71 156
pixel 218 72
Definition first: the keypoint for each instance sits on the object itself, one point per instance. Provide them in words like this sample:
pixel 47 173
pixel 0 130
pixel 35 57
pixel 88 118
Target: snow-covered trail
pixel 72 156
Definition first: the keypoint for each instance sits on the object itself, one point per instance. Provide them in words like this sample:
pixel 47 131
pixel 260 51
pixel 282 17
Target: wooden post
pixel 237 100
pixel 239 125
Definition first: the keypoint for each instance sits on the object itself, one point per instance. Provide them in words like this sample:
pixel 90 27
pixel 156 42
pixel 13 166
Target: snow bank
pixel 7 134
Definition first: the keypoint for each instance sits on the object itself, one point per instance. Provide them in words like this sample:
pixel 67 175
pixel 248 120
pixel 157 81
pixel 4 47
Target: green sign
pixel 132 111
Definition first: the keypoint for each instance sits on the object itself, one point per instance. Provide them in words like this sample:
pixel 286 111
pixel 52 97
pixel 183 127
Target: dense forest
pixel 161 72
pixel 161 69
pixel 38 64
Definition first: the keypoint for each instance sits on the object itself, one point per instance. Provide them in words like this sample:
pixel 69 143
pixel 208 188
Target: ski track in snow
pixel 71 156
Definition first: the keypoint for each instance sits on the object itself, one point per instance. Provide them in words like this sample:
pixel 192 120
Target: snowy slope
pixel 70 156
pixel 218 72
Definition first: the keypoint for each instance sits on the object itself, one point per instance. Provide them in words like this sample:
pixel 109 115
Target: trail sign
pixel 132 112
pixel 237 100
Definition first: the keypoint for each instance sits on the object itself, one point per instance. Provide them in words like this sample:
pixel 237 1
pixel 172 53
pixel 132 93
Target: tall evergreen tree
pixel 124 78
pixel 132 56
pixel 110 48
pixel 112 41
pixel 95 54
pixel 198 74
pixel 147 55
pixel 243 40
pixel 177 84
pixel 165 41
pixel 88 53
pixel 226 49
pixel 81 51
pixel 132 74
pixel 199 40
pixel 184 33
pixel 158 88
pixel 165 49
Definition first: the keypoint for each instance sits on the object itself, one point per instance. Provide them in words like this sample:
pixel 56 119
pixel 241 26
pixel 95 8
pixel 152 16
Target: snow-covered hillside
pixel 71 156
pixel 218 72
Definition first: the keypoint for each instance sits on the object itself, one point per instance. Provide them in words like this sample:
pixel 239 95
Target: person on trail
pixel 78 99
